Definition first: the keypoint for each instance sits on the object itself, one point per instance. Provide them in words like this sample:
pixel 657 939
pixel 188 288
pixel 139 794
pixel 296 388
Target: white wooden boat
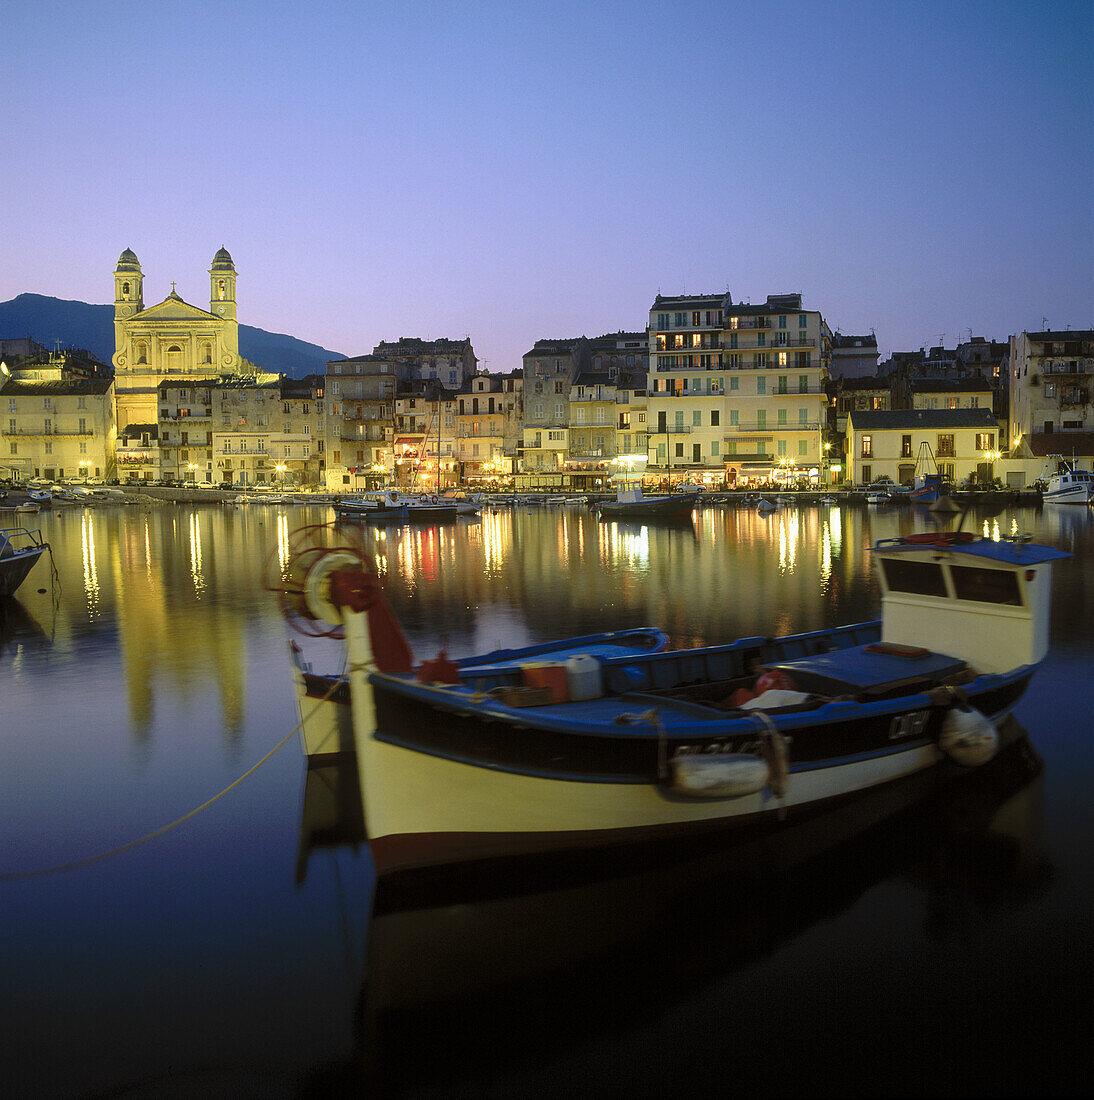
pixel 673 744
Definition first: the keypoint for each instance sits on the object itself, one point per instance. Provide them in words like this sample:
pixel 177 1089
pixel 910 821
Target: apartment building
pixel 57 429
pixel 426 454
pixel 487 421
pixel 450 363
pixel 550 370
pixel 185 430
pixel 359 420
pixel 1051 381
pixel 736 391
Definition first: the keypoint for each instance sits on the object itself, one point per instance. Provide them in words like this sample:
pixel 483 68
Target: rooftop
pixel 942 419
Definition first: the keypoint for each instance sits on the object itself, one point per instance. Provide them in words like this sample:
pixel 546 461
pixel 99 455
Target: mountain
pixel 53 322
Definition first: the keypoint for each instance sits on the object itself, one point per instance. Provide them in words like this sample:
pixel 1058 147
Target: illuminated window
pixel 867 446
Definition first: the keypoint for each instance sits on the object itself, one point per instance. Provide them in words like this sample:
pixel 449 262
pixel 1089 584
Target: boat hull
pixel 664 507
pixel 459 788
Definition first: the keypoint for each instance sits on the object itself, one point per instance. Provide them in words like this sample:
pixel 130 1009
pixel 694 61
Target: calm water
pixel 946 949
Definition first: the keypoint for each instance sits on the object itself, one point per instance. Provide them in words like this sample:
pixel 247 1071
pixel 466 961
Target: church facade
pixel 170 340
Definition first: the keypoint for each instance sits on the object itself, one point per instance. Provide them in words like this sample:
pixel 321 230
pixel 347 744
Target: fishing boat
pixel 878 496
pixel 1064 485
pixel 20 550
pixel 926 480
pixel 764 505
pixel 673 743
pixel 632 502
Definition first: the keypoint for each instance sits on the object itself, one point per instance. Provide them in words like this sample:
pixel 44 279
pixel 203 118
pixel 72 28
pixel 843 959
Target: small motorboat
pixel 633 503
pixel 764 505
pixel 20 550
pixel 670 744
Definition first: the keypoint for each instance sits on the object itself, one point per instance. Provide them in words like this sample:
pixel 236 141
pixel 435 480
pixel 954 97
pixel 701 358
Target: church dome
pixel 222 261
pixel 128 261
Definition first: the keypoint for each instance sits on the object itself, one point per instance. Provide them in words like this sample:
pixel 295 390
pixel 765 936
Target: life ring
pixel 423 498
pixel 433 499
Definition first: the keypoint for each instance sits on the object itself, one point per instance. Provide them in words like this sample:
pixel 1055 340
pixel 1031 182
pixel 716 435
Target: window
pixel 734 382
pixel 922 578
pixel 761 385
pixel 867 474
pixel 714 418
pixel 780 417
pixel 803 446
pixel 11 405
pixel 782 383
pixel 559 410
pixel 731 448
pixel 733 322
pixel 732 340
pixel 985 441
pixel 945 448
pixel 801 320
pixel 906 446
pixel 867 446
pixel 49 426
pixel 761 418
pixel 985 585
pixel 696 418
pixel 782 446
pixel 1050 389
pixel 734 418
pixel 782 322
pixel 761 339
pixel 47 403
pixel 803 417
pixel 714 449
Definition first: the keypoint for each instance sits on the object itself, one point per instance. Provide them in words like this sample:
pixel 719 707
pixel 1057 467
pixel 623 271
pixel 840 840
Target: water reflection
pixel 500 967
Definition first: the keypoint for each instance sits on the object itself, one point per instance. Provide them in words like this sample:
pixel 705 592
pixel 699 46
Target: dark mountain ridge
pixel 56 323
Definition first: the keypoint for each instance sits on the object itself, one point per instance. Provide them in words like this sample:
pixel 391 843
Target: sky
pixel 520 171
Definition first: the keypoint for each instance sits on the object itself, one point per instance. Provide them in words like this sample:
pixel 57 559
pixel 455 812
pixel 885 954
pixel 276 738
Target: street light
pixel 280 468
pixel 83 464
pixel 193 468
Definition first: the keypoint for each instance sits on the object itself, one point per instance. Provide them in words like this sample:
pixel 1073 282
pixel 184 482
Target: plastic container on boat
pixel 583 677
pixel 547 674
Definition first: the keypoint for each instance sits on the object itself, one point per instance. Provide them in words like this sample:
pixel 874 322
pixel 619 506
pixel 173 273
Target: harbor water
pixel 930 940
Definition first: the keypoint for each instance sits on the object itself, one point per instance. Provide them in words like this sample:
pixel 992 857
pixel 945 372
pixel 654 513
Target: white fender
pixel 717 775
pixel 967 737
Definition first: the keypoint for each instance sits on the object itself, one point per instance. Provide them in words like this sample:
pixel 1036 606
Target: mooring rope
pixel 99 857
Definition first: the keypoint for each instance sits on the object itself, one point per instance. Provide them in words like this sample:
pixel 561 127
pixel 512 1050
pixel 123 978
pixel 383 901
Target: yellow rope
pixel 87 861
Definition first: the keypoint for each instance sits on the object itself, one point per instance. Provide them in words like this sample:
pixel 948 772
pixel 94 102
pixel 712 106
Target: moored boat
pixel 633 502
pixel 668 744
pixel 1064 485
pixel 20 550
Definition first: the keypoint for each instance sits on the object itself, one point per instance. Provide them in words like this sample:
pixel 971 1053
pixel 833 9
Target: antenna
pixel 1044 324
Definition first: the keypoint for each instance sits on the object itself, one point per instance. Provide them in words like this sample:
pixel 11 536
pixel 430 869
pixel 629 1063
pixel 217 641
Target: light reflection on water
pixel 165 675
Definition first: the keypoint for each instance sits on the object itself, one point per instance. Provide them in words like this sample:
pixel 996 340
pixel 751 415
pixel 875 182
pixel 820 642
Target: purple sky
pixel 514 171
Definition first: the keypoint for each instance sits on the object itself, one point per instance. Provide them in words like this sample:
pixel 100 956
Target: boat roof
pixel 868 668
pixel 1007 551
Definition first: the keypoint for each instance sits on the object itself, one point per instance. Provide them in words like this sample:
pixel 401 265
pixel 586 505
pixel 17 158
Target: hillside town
pixel 710 392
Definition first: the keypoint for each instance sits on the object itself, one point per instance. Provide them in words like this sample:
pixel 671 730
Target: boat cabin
pixel 986 601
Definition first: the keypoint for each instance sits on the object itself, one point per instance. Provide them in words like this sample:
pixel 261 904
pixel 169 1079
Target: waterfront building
pixel 170 339
pixel 1051 380
pixel 592 436
pixel 359 418
pixel 56 428
pixel 298 450
pixel 736 391
pixel 426 445
pixel 550 370
pixel 246 414
pixel 185 430
pixel 487 426
pixel 964 442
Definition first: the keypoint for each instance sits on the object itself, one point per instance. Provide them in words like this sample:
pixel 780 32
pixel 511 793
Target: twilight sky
pixel 515 171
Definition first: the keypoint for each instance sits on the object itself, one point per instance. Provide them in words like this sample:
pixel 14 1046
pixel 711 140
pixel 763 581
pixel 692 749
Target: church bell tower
pixel 222 286
pixel 128 286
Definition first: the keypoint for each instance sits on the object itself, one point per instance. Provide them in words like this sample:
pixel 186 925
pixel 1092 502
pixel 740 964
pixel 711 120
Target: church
pixel 171 339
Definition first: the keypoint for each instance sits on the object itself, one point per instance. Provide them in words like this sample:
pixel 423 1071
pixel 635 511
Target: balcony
pixel 670 429
pixel 767 426
pixel 50 433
